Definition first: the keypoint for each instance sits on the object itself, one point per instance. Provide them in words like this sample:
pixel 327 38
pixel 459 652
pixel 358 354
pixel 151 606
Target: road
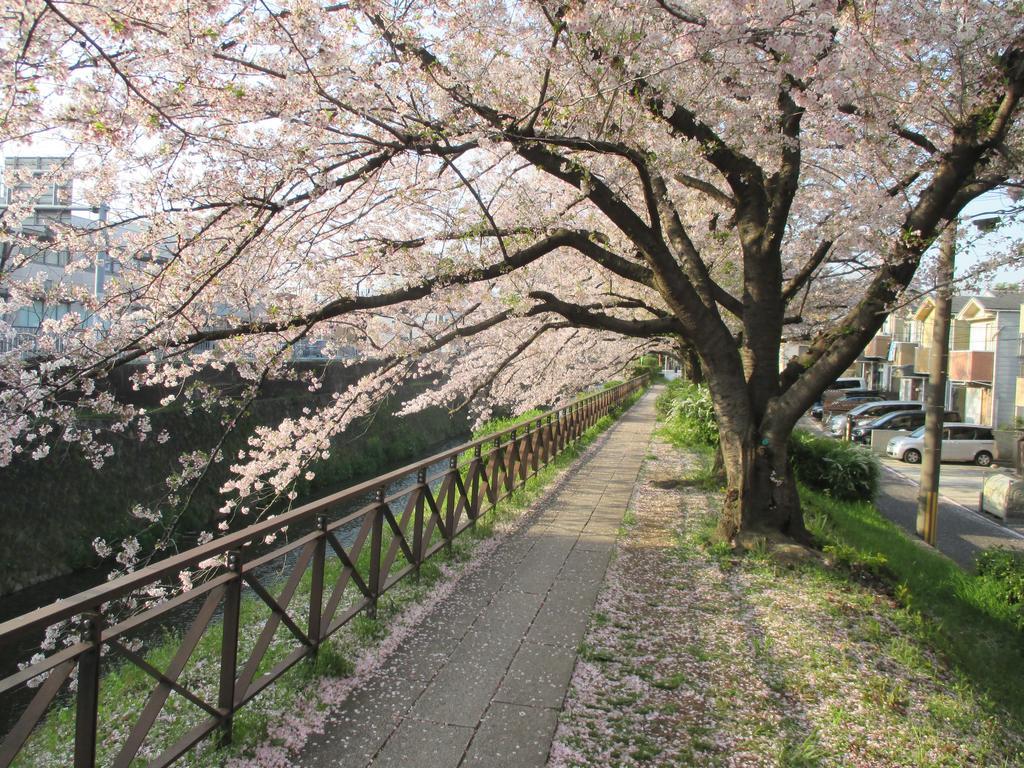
pixel 963 531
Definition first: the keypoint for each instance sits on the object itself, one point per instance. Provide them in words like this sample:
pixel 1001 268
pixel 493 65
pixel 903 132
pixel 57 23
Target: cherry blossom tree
pixel 519 196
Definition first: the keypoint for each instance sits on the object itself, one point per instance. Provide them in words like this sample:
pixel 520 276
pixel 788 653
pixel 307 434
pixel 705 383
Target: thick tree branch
pixel 707 188
pixel 585 317
pixel 799 280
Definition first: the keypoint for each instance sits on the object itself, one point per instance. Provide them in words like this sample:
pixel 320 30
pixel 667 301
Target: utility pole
pixel 935 395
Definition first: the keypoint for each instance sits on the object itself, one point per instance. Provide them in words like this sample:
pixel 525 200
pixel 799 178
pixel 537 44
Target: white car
pixel 960 442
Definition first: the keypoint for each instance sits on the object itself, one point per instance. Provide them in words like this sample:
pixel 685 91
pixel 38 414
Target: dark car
pixel 906 421
pixel 862 414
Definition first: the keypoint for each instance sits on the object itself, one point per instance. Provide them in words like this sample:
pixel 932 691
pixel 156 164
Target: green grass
pixel 962 616
pixel 125 688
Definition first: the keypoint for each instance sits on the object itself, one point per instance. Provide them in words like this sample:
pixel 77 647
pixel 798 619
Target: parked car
pixel 848 393
pixel 869 412
pixel 847 385
pixel 903 421
pixel 844 404
pixel 960 442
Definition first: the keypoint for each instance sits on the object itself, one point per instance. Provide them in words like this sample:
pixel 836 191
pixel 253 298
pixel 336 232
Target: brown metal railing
pixel 368 551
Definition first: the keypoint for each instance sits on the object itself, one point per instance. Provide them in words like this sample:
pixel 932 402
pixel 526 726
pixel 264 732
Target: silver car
pixel 960 442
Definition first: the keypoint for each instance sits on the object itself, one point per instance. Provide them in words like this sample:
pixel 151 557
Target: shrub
pixel 1003 570
pixel 663 403
pixel 843 470
pixel 647 364
pixel 689 415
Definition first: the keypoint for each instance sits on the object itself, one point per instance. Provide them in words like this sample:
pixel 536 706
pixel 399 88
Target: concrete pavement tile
pixel 563 619
pixel 360 727
pixel 424 745
pixel 586 565
pixel 539 676
pixel 460 693
pixel 596 541
pixel 510 612
pixel 511 736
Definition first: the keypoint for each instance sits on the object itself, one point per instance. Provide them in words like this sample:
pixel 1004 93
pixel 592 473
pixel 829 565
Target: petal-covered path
pixel 482 680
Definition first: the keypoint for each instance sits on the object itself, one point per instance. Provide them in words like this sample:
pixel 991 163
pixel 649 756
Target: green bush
pixel 843 470
pixel 1006 567
pixel 688 414
pixel 497 425
pixel 1003 569
pixel 663 403
pixel 646 364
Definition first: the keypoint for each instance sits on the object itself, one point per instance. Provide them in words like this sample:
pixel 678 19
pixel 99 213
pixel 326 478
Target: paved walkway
pixel 482 681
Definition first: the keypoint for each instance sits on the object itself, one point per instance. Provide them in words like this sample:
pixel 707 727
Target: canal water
pixel 47 592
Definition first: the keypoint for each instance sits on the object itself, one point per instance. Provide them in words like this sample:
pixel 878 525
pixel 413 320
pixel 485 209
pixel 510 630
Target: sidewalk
pixel 482 681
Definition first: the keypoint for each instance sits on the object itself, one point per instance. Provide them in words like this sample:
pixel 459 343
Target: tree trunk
pixel 692 370
pixel 761 495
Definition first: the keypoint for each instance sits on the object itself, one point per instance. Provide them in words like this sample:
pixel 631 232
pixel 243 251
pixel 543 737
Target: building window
pixel 32 317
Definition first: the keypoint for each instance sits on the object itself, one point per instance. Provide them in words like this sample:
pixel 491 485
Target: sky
pixel 999 244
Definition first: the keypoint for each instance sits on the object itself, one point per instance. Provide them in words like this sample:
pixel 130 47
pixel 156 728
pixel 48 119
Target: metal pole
pixel 935 397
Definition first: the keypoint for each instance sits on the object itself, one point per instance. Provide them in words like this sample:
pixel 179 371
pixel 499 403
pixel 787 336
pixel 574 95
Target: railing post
pixel 316 589
pixel 523 455
pixel 492 482
pixel 87 705
pixel 510 463
pixel 475 497
pixel 229 646
pixel 536 438
pixel 376 542
pixel 512 455
pixel 417 520
pixel 453 468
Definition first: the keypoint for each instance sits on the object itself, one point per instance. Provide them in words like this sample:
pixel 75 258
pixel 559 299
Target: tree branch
pixel 800 278
pixel 583 316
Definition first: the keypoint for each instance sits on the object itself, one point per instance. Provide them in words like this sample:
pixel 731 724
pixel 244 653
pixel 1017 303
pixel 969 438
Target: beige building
pixel 986 358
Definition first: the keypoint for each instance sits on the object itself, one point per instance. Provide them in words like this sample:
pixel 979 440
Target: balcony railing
pixel 922 360
pixel 904 353
pixel 878 347
pixel 971 365
pixel 413 513
pixel 29 343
